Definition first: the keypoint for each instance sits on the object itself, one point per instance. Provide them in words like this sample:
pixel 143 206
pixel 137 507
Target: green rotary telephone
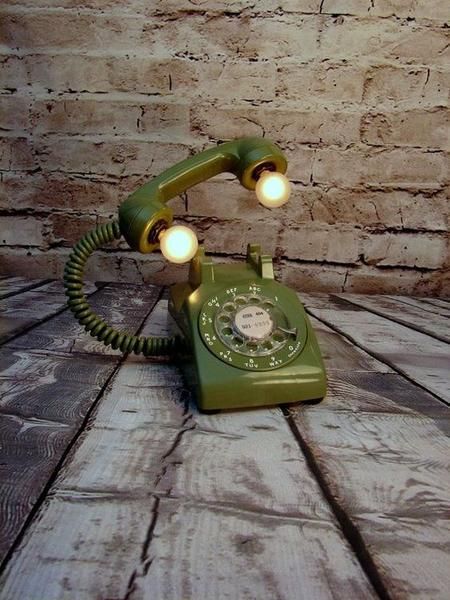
pixel 243 339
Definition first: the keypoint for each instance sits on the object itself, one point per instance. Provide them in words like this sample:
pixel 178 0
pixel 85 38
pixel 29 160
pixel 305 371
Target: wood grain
pixel 24 310
pixel 422 358
pixel 341 355
pixel 157 501
pixel 9 286
pixel 387 467
pixel 439 302
pixel 44 400
pixel 122 305
pixel 414 317
pixel 438 306
pixel 212 505
pixel 380 447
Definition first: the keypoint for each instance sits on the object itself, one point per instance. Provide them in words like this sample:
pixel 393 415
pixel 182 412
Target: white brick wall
pixel 98 97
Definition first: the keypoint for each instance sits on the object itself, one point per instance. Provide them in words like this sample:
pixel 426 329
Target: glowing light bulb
pixel 273 189
pixel 178 244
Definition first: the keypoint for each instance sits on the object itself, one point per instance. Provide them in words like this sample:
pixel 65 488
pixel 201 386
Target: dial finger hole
pixel 278 337
pixel 227 331
pixel 237 341
pixel 254 300
pixel 224 319
pixel 240 300
pixel 252 346
pixel 229 307
pixel 267 345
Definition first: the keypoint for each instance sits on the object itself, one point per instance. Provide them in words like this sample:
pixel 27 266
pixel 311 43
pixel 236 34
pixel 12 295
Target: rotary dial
pixel 245 327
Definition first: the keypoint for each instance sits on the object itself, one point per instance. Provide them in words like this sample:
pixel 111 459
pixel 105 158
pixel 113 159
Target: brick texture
pixel 97 97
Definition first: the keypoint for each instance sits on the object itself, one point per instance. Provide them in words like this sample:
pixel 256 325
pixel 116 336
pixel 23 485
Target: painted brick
pixel 306 6
pixel 72 193
pixel 295 126
pixel 320 83
pixel 97 115
pixel 145 75
pixel 67 229
pixel 408 128
pixel 369 280
pixel 241 35
pixel 348 38
pixel 193 35
pixel 223 199
pixel 233 79
pixel 44 30
pixel 412 85
pixel 232 237
pixel 226 199
pixel 303 205
pixel 435 10
pixel 377 209
pixel 16 153
pixel 12 71
pixel 355 96
pixel 236 6
pixel 319 243
pixel 14 112
pixel 398 167
pixel 31 263
pixel 423 46
pixel 237 80
pixel 119 158
pixel 172 7
pixel 20 231
pixel 311 278
pixel 300 163
pixel 408 250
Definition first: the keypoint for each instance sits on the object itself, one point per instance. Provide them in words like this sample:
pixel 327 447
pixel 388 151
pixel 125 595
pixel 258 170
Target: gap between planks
pixel 17 287
pixel 413 317
pixel 24 325
pixel 118 359
pixel 435 385
pixel 244 472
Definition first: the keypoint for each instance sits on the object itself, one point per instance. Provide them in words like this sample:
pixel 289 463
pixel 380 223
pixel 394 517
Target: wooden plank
pixel 21 312
pixel 429 305
pixel 159 501
pixel 413 317
pixel 15 285
pixel 121 305
pixel 44 401
pixel 420 357
pixel 341 355
pixel 439 302
pixel 381 448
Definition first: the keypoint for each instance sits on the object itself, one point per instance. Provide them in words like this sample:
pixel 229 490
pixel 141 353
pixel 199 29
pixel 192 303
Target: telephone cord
pixel 95 325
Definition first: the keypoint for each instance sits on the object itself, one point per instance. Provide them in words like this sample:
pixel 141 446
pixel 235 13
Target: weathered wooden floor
pixel 113 486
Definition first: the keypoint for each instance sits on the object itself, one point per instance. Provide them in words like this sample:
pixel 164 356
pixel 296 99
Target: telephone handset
pixel 243 339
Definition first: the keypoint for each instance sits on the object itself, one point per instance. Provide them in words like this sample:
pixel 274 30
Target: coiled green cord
pixel 78 304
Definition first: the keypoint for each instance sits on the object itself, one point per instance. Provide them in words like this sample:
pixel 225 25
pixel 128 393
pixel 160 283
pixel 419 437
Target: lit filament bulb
pixel 272 189
pixel 178 244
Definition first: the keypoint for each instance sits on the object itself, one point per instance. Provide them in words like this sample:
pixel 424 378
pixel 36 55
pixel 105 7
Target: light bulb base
pixel 156 231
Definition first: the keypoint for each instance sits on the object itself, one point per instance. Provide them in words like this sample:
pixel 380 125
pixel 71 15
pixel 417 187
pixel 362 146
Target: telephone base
pixel 278 362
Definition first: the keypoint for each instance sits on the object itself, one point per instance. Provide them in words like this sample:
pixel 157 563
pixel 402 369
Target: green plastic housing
pixel 145 210
pixel 219 385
